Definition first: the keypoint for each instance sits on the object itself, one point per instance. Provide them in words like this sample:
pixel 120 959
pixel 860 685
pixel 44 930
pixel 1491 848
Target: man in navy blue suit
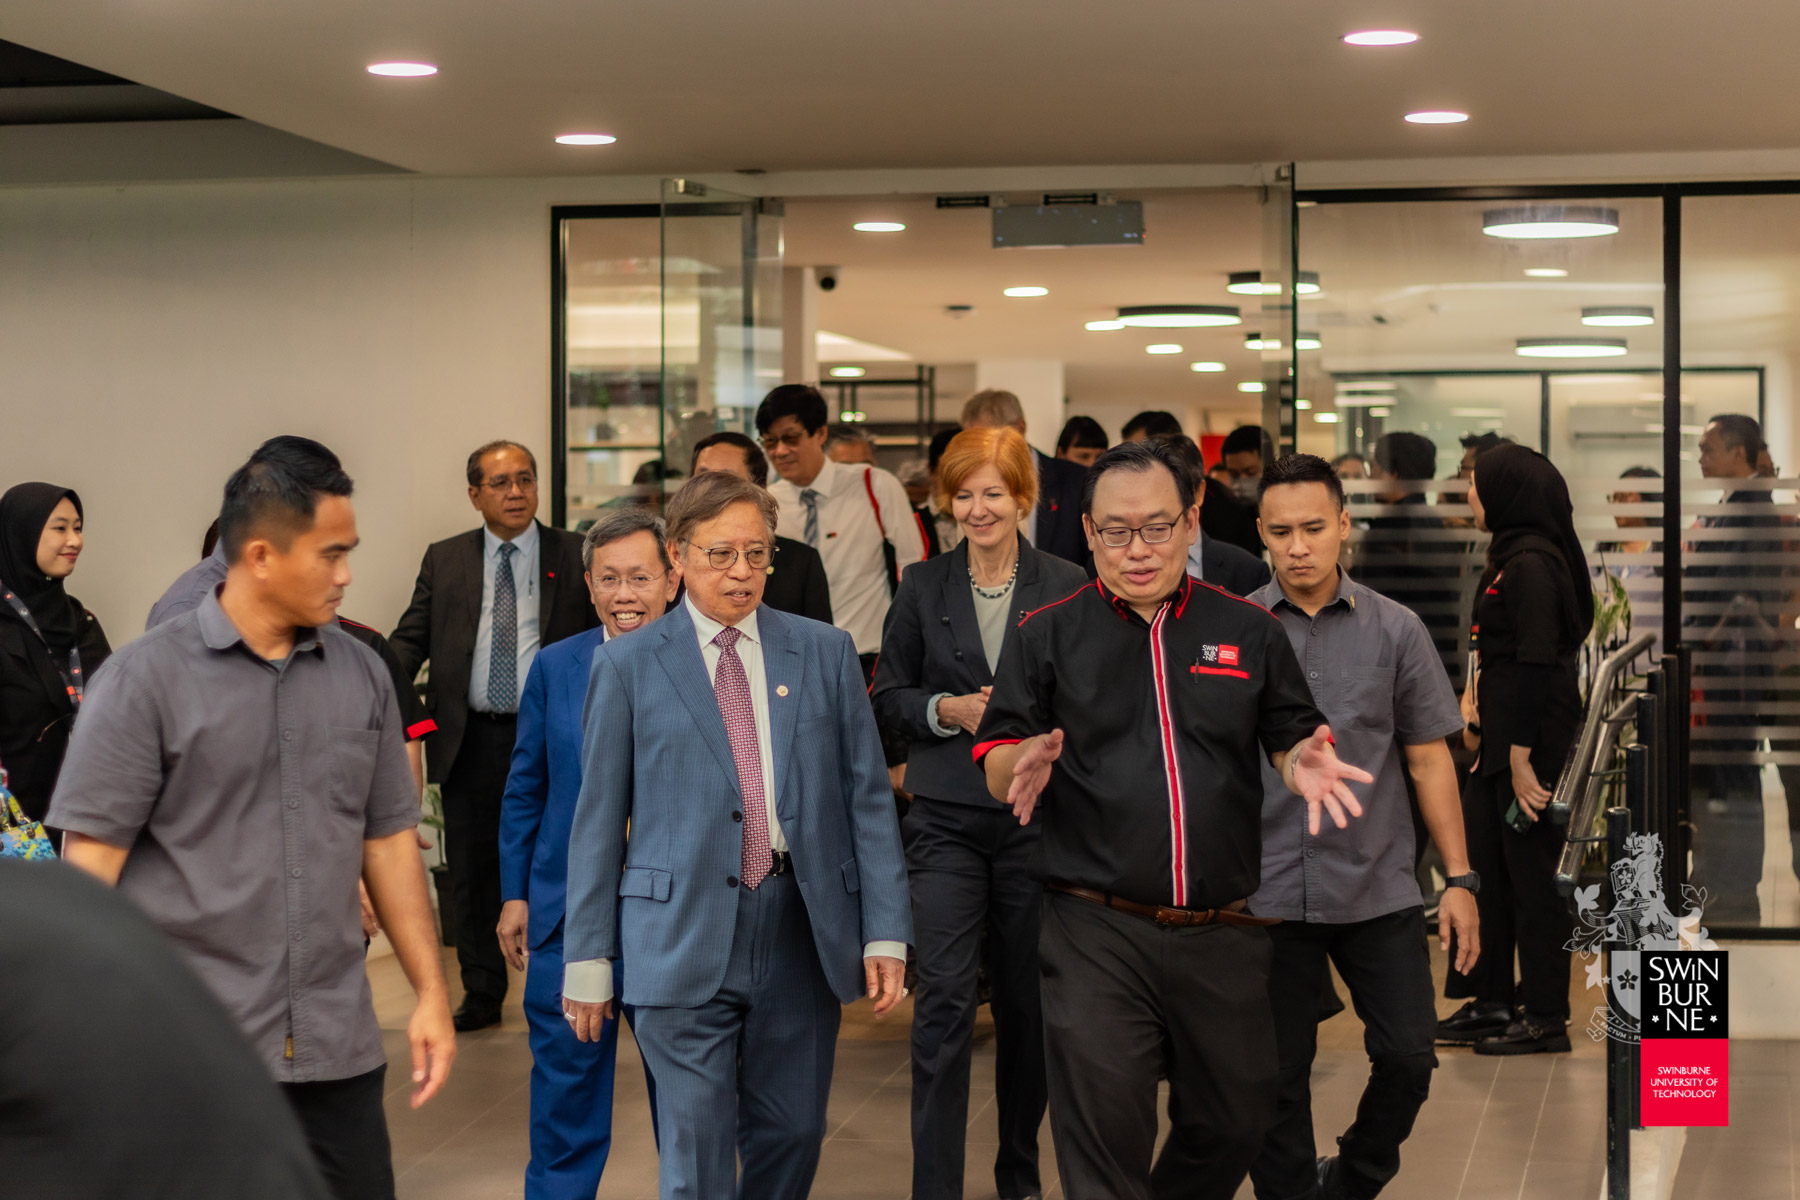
pixel 628 576
pixel 762 885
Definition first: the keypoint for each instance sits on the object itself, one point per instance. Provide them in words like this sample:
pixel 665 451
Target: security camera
pixel 828 278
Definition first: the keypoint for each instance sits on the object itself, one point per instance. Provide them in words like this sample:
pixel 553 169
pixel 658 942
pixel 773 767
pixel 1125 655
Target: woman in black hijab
pixel 1533 610
pixel 49 643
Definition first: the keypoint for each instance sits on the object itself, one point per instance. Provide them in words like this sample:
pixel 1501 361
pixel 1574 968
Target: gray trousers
pixel 747 1074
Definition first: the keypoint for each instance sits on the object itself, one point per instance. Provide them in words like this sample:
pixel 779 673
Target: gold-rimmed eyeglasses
pixel 723 558
pixel 637 583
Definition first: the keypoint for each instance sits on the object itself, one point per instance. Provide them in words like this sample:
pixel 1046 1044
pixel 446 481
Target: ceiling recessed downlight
pixel 1538 221
pixel 1546 273
pixel 1303 405
pixel 1326 418
pixel 402 70
pixel 848 372
pixel 1436 117
pixel 1250 283
pixel 1206 368
pixel 1027 291
pixel 1104 326
pixel 1163 348
pixel 878 227
pixel 585 139
pixel 1250 385
pixel 1570 347
pixel 1180 316
pixel 1381 37
pixel 1619 316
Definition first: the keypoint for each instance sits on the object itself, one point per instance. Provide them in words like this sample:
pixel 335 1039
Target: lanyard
pixel 71 672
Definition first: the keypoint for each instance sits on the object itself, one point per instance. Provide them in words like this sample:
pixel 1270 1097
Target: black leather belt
pixel 781 862
pixel 1230 914
pixel 496 717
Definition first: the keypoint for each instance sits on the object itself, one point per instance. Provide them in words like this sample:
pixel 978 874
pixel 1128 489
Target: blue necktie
pixel 503 650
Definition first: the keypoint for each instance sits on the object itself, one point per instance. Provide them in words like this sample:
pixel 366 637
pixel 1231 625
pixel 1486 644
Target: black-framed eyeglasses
pixel 723 558
pixel 1154 534
pixel 790 439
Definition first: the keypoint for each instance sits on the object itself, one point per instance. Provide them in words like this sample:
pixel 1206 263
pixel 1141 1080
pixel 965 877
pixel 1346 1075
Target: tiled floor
pixel 1519 1128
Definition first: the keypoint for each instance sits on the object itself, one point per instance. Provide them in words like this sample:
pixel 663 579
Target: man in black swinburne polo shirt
pixel 1142 709
pixel 234 771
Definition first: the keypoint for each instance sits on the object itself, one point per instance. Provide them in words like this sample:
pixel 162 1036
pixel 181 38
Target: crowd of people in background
pixel 1130 746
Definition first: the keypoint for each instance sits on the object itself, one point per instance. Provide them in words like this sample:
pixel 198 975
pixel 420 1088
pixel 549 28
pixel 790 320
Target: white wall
pixel 151 336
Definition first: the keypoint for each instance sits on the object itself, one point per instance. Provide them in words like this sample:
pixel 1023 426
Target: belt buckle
pixel 779 863
pixel 1170 916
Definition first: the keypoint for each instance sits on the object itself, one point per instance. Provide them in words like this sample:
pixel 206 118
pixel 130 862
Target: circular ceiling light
pixel 1436 117
pixel 1381 37
pixel 1367 385
pixel 402 70
pixel 1179 316
pixel 847 372
pixel 1104 326
pixel 1570 347
pixel 586 139
pixel 1027 291
pixel 1163 348
pixel 1249 283
pixel 1619 315
pixel 1538 221
pixel 1206 368
pixel 1546 273
pixel 1250 385
pixel 878 227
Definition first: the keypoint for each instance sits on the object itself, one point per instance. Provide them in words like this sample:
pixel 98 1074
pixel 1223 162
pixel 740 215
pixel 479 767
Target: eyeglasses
pixel 1118 536
pixel 723 558
pixel 505 483
pixel 637 583
pixel 790 439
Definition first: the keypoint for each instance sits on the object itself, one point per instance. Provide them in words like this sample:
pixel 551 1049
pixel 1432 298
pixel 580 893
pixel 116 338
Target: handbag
pixel 20 836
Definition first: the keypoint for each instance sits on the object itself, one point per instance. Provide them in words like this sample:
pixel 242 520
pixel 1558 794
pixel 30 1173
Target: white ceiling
pixel 802 84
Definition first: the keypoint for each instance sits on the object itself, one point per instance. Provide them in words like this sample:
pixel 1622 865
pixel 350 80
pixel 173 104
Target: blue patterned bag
pixel 20 836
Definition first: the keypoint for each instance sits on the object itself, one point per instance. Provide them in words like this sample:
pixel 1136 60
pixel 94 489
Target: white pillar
pixel 799 325
pixel 1038 383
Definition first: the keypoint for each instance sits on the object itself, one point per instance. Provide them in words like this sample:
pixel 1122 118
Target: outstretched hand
pixel 1323 780
pixel 1032 771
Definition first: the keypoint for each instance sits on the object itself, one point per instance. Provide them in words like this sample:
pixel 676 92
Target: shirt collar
pixel 707 629
pixel 825 480
pixel 1179 598
pixel 526 542
pixel 1347 591
pixel 217 631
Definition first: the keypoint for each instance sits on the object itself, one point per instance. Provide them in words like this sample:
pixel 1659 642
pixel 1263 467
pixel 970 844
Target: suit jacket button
pixel 731 881
pixel 737 816
pixel 944 620
pixel 959 656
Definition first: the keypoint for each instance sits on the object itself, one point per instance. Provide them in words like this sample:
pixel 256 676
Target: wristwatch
pixel 1470 882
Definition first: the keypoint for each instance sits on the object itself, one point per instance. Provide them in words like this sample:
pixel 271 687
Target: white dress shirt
pixel 525 580
pixel 850 541
pixel 590 981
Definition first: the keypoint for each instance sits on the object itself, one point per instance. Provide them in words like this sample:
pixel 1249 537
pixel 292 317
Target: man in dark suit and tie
pixel 797 582
pixel 629 577
pixel 762 885
pixel 486 601
pixel 1054 526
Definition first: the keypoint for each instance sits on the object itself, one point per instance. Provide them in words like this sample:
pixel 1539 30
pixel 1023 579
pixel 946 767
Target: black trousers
pixel 1519 906
pixel 346 1130
pixel 472 793
pixel 1385 964
pixel 1125 1001
pixel 969 868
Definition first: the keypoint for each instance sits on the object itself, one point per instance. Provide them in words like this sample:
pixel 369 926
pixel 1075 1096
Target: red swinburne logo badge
pixel 1228 656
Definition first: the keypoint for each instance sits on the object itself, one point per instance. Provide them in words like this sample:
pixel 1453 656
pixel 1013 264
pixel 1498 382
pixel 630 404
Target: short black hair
pixel 1741 431
pixel 1644 473
pixel 1301 468
pixel 1406 455
pixel 800 400
pixel 940 442
pixel 1141 456
pixel 482 452
pixel 276 493
pixel 1249 438
pixel 1082 433
pixel 753 455
pixel 1481 443
pixel 1151 422
pixel 1189 451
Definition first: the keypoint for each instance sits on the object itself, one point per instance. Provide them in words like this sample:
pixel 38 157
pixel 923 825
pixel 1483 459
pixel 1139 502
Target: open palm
pixel 1323 780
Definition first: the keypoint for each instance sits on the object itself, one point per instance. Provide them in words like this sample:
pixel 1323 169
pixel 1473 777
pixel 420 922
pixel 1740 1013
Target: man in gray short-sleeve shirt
pixel 234 771
pixel 1349 895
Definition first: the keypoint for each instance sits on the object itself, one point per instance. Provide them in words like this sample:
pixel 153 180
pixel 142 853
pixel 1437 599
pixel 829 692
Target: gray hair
pixel 841 433
pixel 710 493
pixel 992 406
pixel 618 523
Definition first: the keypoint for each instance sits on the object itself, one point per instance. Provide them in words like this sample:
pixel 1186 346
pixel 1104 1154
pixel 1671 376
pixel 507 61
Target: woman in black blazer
pixel 967 856
pixel 49 644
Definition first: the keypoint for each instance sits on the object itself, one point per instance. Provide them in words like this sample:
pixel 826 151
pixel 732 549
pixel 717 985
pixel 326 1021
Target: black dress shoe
pixel 1528 1035
pixel 1474 1021
pixel 475 1014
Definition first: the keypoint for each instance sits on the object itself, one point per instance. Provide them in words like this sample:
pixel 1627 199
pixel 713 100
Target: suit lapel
pixel 965 626
pixel 1029 595
pixel 781 666
pixel 549 562
pixel 680 657
pixel 468 567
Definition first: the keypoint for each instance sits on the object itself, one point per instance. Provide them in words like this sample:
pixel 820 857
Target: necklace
pixel 1000 592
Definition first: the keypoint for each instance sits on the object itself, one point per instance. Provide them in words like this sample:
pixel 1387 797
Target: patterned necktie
pixel 732 687
pixel 503 649
pixel 810 499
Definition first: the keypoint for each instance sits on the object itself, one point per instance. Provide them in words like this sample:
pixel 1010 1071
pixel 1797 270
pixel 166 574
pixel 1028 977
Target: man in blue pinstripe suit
pixel 763 884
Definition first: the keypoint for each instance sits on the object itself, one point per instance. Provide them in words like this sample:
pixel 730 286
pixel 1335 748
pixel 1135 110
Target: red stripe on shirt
pixel 982 748
pixel 1197 669
pixel 1046 608
pixel 1171 761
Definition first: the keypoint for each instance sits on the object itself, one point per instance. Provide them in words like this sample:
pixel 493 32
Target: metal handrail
pixel 1576 772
